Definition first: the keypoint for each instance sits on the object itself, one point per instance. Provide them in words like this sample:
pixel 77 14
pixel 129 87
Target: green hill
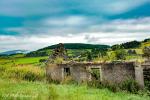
pixel 73 48
pixel 76 46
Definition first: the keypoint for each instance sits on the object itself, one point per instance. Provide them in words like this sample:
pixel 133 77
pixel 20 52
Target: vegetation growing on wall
pixel 146 52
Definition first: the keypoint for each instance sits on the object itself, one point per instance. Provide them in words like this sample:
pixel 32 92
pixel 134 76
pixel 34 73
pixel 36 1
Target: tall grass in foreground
pixel 29 73
pixel 23 90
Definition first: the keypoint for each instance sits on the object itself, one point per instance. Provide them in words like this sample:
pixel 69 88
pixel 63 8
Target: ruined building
pixel 60 52
pixel 107 72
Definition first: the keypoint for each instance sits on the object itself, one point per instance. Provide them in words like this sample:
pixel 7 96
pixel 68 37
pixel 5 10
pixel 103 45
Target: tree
pixel 120 54
pixel 127 45
pixel 132 52
pixel 99 52
pixel 132 44
pixel 103 52
pixel 146 52
pixel 89 56
pixel 42 60
pixel 116 47
pixel 147 40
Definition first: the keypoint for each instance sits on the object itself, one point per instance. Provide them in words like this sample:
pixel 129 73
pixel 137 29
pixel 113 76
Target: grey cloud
pixel 52 7
pixel 82 24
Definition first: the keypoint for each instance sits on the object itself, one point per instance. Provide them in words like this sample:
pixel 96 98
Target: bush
pixel 58 60
pixel 128 85
pixel 116 47
pixel 68 80
pixel 95 84
pixel 42 60
pixel 120 54
pixel 147 84
pixel 132 52
pixel 146 52
pixel 131 86
pixel 89 56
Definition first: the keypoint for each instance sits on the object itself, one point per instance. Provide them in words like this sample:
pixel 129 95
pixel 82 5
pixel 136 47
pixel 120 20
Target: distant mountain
pixel 77 46
pixel 14 52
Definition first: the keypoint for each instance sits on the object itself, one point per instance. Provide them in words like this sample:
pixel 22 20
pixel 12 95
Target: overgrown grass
pixel 29 73
pixel 130 86
pixel 21 69
pixel 22 90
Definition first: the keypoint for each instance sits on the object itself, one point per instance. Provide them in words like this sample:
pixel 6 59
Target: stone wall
pixel 146 73
pixel 117 72
pixel 54 72
pixel 79 72
pixel 110 72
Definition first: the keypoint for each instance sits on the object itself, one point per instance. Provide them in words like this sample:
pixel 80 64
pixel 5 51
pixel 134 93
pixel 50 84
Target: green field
pixel 21 60
pixel 24 79
pixel 23 90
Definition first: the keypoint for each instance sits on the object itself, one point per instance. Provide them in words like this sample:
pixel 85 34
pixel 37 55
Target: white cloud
pixel 36 42
pixel 66 21
pixel 112 32
pixel 81 24
pixel 121 6
pixel 115 37
pixel 124 25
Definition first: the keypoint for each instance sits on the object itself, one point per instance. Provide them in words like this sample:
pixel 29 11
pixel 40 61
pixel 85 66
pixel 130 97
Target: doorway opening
pixel 95 73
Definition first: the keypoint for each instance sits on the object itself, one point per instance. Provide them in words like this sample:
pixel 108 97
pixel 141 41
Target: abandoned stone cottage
pixel 107 72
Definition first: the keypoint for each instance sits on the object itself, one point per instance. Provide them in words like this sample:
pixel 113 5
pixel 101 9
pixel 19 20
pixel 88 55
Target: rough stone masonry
pixel 109 72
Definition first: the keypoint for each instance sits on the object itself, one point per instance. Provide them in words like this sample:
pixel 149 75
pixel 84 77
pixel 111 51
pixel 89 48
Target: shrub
pixel 42 60
pixel 120 54
pixel 89 56
pixel 147 84
pixel 112 87
pixel 68 80
pixel 58 60
pixel 116 47
pixel 132 52
pixel 130 85
pixel 146 52
pixel 95 83
pixel 95 73
pixel 2 69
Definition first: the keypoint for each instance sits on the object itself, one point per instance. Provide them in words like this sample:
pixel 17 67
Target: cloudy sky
pixel 32 24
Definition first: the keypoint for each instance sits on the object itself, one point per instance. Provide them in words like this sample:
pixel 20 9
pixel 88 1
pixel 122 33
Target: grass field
pixel 21 61
pixel 23 90
pixel 24 79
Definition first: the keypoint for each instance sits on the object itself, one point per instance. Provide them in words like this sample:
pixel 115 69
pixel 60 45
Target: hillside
pixel 76 46
pixel 76 49
pixel 73 49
